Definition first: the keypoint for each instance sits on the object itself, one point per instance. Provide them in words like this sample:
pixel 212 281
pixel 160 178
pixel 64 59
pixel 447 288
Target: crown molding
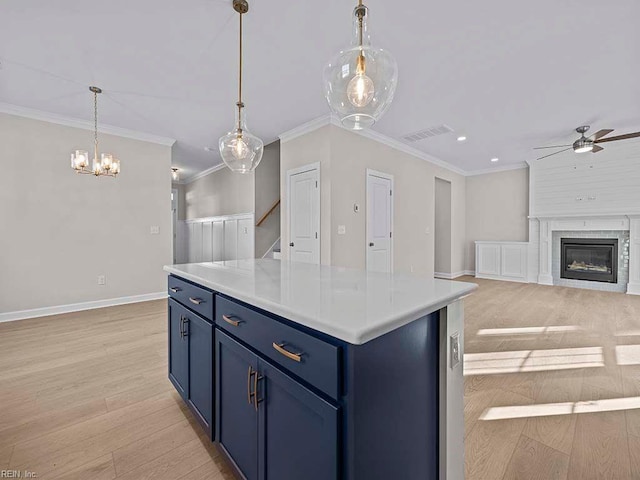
pixel 504 168
pixel 19 111
pixel 203 173
pixel 307 127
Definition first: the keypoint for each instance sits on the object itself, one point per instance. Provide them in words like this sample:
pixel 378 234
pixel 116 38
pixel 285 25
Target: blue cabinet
pixel 199 333
pixel 178 349
pixel 270 426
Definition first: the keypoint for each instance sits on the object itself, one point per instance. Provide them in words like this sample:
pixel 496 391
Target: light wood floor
pixel 552 391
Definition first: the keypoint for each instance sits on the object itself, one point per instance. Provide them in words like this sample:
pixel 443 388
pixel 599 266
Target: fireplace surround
pixel 590 259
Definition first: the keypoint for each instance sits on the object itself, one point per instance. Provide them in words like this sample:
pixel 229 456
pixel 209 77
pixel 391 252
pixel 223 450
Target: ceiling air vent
pixel 427 133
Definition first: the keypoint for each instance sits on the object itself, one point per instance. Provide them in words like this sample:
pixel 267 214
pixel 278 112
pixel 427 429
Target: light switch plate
pixel 154 230
pixel 342 229
pixel 454 341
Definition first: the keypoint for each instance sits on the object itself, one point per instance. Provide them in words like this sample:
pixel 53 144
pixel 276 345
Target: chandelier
pixel 104 166
pixel 240 150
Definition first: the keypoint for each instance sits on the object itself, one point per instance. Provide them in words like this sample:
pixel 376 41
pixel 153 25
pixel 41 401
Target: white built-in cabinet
pixel 502 260
pixel 213 239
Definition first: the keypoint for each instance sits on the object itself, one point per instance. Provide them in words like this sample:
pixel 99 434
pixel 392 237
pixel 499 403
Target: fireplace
pixel 592 259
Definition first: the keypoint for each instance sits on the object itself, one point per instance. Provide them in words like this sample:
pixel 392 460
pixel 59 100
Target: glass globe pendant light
pixel 359 82
pixel 240 150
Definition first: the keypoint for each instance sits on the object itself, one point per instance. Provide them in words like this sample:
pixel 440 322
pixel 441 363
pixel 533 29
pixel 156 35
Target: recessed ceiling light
pixel 462 138
pixel 495 159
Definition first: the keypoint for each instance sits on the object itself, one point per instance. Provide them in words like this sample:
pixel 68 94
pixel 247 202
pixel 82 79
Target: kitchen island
pixel 316 372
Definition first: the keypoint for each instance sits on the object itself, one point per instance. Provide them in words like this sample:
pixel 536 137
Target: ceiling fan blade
pixel 600 133
pixel 619 137
pixel 555 153
pixel 596 149
pixel 551 146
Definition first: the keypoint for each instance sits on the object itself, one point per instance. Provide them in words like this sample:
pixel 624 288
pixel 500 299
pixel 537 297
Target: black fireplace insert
pixel 593 259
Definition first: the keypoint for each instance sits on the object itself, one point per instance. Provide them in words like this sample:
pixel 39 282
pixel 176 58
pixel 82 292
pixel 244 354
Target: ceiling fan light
pixel 582 145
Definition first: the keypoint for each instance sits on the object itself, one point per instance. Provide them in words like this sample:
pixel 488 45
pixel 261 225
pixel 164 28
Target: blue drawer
pixel 310 358
pixel 196 298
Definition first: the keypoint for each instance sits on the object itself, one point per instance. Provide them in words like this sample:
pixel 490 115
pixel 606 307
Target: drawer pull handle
pixel 296 357
pixel 231 321
pixel 250 394
pixel 256 400
pixel 197 301
pixel 175 289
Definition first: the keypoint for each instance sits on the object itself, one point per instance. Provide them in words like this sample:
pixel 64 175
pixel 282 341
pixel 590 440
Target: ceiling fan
pixel 589 144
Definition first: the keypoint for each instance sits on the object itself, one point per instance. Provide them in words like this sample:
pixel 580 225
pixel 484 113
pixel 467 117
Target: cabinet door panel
pixel 298 430
pixel 236 418
pixel 200 336
pixel 178 349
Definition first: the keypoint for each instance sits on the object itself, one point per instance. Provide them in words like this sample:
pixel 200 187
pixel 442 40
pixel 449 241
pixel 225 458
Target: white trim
pixel 233 216
pixel 289 174
pixel 386 176
pixel 203 173
pixel 77 307
pixel 503 168
pixel 367 133
pixel 83 124
pixel 451 276
pixel 270 250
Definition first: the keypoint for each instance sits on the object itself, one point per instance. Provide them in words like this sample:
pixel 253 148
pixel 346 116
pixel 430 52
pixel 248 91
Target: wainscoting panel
pixel 502 260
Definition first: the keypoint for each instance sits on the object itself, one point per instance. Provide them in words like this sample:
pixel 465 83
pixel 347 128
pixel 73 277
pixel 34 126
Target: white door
pixel 379 222
pixel 174 224
pixel 304 214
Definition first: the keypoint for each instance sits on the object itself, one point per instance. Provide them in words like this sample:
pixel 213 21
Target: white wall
pixel 344 157
pixel 497 207
pixel 442 231
pixel 60 230
pixel 607 182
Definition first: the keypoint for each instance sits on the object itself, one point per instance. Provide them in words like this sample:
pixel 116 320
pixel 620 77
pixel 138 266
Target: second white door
pixel 304 214
pixel 379 222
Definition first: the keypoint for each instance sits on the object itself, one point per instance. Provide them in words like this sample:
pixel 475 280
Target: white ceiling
pixel 509 75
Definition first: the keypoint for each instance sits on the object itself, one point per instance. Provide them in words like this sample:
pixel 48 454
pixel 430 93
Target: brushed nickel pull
pixel 250 373
pixel 296 357
pixel 197 301
pixel 229 319
pixel 181 323
pixel 175 289
pixel 256 401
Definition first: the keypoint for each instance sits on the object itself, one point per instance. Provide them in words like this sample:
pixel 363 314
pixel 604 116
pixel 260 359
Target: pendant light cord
pixel 95 125
pixel 240 105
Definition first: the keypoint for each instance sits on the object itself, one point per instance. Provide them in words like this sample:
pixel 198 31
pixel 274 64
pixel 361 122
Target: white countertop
pixel 352 305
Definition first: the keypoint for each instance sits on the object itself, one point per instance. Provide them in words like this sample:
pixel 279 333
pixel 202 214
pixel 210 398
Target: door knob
pixel 371 244
pixel 291 244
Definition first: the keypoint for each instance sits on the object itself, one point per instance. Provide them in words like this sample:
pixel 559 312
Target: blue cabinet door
pixel 199 333
pixel 178 349
pixel 236 415
pixel 298 436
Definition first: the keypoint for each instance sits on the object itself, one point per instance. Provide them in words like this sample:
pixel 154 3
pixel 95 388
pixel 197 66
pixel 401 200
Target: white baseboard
pixel 451 276
pixel 633 288
pixel 76 307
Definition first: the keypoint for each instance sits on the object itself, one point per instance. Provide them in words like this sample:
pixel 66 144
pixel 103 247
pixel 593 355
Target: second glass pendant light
pixel 240 150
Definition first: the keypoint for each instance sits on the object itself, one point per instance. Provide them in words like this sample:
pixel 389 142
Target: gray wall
pixel 222 192
pixel 344 157
pixel 497 208
pixel 267 192
pixel 60 230
pixel 442 233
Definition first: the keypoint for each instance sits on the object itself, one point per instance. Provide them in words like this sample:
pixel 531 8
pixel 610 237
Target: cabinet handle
pixel 229 319
pixel 256 378
pixel 250 373
pixel 197 301
pixel 175 289
pixel 297 357
pixel 184 327
pixel 181 323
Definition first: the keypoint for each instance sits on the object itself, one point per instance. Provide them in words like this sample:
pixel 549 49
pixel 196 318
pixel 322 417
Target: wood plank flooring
pixel 552 391
pixel 86 396
pixel 552 383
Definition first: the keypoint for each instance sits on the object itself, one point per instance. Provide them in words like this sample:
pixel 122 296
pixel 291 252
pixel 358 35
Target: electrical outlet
pixel 102 280
pixel 454 342
pixel 155 229
pixel 342 229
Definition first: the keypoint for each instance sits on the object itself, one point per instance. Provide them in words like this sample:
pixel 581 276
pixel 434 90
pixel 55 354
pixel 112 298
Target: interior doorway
pixel 442 234
pixel 379 222
pixel 303 194
pixel 174 224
